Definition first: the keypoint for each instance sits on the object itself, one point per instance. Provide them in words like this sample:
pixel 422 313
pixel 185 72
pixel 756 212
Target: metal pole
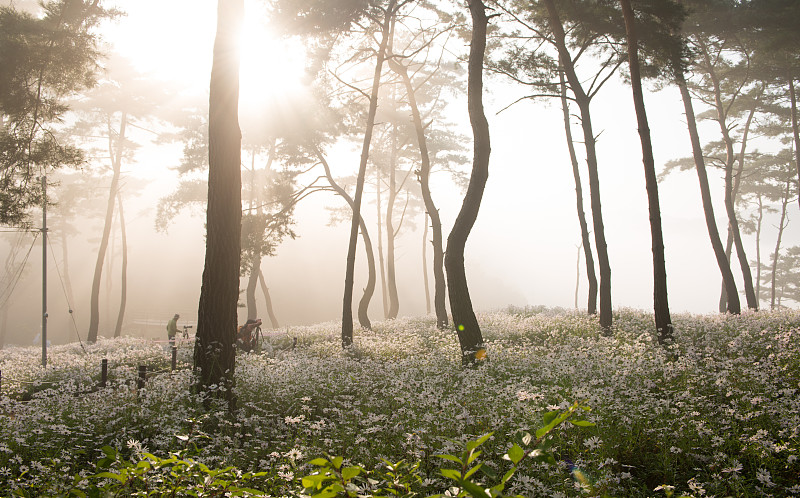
pixel 44 270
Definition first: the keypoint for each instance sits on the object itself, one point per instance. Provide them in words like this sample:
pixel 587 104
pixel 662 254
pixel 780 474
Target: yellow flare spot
pixel 461 328
pixel 480 354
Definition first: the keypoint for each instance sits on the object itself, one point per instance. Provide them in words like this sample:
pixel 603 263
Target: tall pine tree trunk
pixel 369 290
pixel 591 159
pixel 347 301
pixel 795 130
pixel 379 206
pixel 214 352
pixel 123 299
pixel 729 283
pixel 586 244
pixel 116 161
pixel 660 301
pixel 758 245
pixel 733 222
pixel 466 324
pixel 439 286
pixel 391 274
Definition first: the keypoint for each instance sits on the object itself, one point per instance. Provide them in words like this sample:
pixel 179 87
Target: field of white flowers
pixel 717 415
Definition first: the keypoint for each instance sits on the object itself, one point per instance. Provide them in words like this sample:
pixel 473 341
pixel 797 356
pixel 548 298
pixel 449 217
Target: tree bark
pixel 733 305
pixel 250 290
pixel 378 205
pixel 660 297
pixel 758 245
pixel 440 289
pixel 391 275
pixel 123 300
pixel 214 353
pixel 776 254
pixel 586 244
pixel 116 161
pixel 733 223
pixel 347 301
pixel 591 159
pixel 273 320
pixel 795 130
pixel 369 290
pixel 466 324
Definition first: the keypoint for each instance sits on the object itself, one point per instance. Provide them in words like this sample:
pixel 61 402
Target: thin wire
pixel 64 289
pixel 10 289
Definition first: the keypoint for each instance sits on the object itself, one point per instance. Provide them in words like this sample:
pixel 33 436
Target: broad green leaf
pixel 451 474
pixel 472 471
pixel 111 475
pixel 549 417
pixel 582 423
pixel 473 456
pixel 319 462
pixel 337 462
pixel 350 472
pixel 515 454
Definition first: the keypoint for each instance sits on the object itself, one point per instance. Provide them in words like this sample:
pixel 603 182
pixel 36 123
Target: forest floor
pixel 717 413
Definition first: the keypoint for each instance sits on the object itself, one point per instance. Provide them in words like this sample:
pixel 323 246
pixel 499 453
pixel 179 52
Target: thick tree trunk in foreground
pixel 660 299
pixel 464 320
pixel 214 353
pixel 586 244
pixel 591 160
pixel 440 290
pixel 347 301
pixel 116 160
pixel 729 283
pixel 123 300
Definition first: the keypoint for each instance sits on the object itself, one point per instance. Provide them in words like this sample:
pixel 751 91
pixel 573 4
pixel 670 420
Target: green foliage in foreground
pixel 721 419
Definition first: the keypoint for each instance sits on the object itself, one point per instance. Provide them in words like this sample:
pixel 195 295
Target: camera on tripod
pixel 186 331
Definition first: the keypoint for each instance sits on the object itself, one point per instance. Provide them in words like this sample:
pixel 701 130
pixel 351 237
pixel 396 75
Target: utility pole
pixel 44 271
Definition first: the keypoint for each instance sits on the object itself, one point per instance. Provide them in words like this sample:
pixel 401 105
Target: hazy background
pixel 522 251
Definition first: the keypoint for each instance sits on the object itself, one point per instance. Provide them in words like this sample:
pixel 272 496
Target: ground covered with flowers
pixel 716 414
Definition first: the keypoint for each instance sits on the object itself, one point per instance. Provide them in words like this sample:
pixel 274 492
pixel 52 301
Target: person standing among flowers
pixel 172 329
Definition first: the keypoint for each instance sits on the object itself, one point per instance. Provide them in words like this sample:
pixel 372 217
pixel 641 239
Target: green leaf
pixel 472 471
pixel 582 423
pixel 475 490
pixel 507 476
pixel 320 462
pixel 471 445
pixel 110 475
pixel 515 454
pixel 337 462
pixel 451 474
pixel 473 456
pixel 451 458
pixel 549 417
pixel 350 472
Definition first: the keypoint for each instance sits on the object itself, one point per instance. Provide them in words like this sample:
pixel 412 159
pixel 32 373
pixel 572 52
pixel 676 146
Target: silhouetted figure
pixel 172 329
pixel 247 334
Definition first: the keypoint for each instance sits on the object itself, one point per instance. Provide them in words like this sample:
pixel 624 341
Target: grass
pixel 723 419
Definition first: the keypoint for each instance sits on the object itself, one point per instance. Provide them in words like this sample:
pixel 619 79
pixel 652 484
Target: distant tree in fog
pixel 45 60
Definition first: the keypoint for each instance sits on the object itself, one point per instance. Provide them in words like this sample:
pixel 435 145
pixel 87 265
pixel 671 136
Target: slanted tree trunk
pixel 466 324
pixel 214 352
pixel 729 284
pixel 439 287
pixel 582 100
pixel 776 254
pixel 123 300
pixel 733 223
pixel 660 298
pixel 116 162
pixel 795 130
pixel 578 274
pixel 347 301
pixel 273 320
pixel 250 291
pixel 586 243
pixel 369 290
